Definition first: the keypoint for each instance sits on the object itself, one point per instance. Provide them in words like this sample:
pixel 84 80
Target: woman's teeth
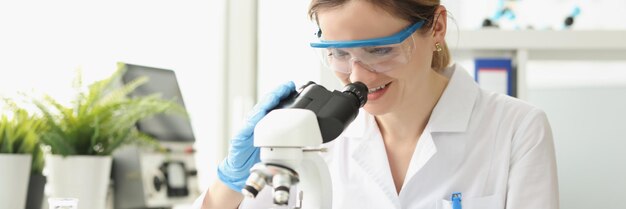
pixel 372 90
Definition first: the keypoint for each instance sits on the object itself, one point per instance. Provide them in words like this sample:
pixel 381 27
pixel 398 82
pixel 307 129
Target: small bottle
pixel 63 203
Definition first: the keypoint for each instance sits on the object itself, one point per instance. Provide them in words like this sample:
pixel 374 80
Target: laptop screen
pixel 164 127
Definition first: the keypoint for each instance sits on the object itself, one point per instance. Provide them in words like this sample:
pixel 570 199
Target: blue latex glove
pixel 242 155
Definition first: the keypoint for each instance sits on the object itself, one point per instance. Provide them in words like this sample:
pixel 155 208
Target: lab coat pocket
pixel 488 202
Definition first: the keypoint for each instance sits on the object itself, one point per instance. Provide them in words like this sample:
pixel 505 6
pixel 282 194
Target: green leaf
pixel 58 144
pixel 21 133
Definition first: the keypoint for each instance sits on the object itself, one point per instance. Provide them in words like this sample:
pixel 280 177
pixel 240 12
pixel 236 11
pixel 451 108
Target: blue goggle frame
pixel 393 39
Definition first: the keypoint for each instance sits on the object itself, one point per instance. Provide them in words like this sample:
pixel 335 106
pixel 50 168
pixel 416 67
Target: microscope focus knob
pixel 254 184
pixel 157 182
pixel 282 183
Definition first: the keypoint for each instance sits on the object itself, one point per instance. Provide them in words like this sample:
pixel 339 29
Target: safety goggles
pixel 376 55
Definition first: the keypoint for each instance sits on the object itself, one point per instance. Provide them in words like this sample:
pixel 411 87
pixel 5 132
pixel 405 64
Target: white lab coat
pixel 496 150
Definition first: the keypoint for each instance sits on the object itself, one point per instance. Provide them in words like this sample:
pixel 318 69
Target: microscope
pixel 290 137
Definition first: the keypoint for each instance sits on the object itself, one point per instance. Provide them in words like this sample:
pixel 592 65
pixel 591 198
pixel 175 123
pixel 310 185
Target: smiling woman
pixel 427 134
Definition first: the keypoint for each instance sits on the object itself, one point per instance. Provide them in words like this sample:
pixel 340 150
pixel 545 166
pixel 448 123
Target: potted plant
pixel 19 139
pixel 82 137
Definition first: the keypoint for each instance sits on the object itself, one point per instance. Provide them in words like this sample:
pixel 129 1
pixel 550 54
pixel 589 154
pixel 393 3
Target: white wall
pixel 42 43
pixel 585 101
pixel 589 135
pixel 284 53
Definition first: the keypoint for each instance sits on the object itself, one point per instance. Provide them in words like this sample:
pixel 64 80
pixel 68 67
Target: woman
pixel 427 129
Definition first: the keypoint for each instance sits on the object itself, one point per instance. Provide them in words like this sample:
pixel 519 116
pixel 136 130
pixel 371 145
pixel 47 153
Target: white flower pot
pixel 83 177
pixel 14 176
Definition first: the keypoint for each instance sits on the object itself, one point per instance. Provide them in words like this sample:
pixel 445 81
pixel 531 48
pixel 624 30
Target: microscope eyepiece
pixel 359 90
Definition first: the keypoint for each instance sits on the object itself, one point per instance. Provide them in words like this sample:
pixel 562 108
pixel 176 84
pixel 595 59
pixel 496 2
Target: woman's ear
pixel 440 25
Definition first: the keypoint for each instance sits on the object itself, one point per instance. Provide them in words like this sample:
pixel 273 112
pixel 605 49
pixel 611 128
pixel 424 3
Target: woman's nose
pixel 360 72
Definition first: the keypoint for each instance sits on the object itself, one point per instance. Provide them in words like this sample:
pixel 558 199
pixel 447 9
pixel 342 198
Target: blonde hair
pixel 410 10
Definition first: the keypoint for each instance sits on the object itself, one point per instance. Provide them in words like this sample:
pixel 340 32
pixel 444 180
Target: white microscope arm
pixel 289 141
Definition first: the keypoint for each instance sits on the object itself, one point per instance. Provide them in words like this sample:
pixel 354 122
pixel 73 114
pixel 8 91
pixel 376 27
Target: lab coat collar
pixel 452 112
pixel 370 156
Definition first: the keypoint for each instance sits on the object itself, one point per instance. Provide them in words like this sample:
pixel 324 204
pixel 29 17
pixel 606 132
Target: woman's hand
pixel 242 155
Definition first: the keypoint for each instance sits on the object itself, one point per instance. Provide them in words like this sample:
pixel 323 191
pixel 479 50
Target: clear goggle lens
pixel 378 59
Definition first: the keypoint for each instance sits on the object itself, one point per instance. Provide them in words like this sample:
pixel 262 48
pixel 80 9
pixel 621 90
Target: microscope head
pixel 334 110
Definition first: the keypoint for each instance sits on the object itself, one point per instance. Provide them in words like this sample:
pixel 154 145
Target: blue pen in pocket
pixel 456 200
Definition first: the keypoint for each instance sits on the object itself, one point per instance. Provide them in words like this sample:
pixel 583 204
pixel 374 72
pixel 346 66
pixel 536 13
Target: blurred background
pixel 227 54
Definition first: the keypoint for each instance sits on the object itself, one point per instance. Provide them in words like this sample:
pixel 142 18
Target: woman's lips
pixel 377 92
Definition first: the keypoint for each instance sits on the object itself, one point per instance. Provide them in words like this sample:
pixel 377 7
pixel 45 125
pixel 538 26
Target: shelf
pixel 491 39
pixel 525 45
